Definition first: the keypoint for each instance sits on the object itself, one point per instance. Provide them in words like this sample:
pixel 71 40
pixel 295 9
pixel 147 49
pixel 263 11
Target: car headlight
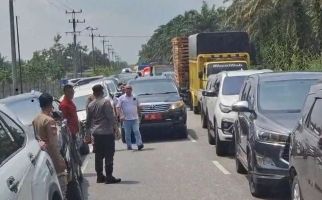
pixel 271 137
pixel 177 105
pixel 224 108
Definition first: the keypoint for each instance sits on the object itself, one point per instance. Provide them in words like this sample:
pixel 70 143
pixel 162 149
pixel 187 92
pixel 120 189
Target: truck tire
pixel 211 140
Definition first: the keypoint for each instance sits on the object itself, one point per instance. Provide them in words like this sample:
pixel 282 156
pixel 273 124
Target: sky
pixel 40 20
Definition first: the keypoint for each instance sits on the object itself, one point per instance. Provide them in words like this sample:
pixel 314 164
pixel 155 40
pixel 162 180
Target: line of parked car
pixel 271 121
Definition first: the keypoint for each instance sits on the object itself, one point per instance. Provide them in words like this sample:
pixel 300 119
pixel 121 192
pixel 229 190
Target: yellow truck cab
pixel 211 53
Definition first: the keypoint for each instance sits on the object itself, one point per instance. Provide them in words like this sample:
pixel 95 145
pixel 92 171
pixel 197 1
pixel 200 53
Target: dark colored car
pixel 306 149
pixel 161 107
pixel 268 109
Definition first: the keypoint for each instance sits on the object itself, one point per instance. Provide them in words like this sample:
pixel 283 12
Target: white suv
pixel 26 172
pixel 221 92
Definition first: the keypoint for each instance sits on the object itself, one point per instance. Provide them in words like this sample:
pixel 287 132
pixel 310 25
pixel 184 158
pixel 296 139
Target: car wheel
pixel 220 145
pixel 74 190
pixel 196 110
pixel 239 167
pixel 211 139
pixel 204 119
pixel 256 190
pixel 296 189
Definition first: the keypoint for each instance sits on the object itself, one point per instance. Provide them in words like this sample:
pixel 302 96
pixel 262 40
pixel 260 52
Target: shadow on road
pixel 126 182
pixel 86 175
pixel 144 149
pixel 193 134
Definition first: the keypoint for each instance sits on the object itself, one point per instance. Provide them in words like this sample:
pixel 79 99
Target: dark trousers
pixel 105 149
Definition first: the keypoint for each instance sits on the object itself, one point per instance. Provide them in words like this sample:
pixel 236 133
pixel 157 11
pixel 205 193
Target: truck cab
pixel 211 53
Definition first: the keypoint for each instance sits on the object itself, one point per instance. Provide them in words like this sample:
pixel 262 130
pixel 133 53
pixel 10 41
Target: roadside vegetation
pixel 285 34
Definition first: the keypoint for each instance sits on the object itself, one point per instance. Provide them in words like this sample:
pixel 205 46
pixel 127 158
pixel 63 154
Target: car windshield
pixel 149 87
pixel 81 102
pixel 283 96
pixel 158 70
pixel 232 85
pixel 26 110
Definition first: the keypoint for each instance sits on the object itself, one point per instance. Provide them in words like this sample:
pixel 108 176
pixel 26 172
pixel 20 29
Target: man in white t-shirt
pixel 128 107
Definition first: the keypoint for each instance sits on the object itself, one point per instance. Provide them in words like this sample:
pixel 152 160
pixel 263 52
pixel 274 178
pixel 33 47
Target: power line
pixel 74 21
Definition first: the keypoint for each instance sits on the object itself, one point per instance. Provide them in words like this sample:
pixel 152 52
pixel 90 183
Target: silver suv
pixel 26 172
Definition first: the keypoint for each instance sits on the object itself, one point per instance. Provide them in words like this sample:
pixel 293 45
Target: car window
pixel 245 91
pixel 232 85
pixel 283 95
pixel 12 137
pixel 314 122
pixel 209 84
pixel 153 87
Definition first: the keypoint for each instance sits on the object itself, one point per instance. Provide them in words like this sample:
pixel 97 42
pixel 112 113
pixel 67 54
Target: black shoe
pixel 112 180
pixel 129 148
pixel 140 147
pixel 101 179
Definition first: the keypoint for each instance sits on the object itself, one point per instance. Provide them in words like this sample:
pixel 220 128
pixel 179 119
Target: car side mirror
pixel 209 93
pixel 200 75
pixel 241 106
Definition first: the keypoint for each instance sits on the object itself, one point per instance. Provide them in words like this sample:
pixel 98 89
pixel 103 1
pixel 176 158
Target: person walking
pixel 128 110
pixel 46 132
pixel 101 123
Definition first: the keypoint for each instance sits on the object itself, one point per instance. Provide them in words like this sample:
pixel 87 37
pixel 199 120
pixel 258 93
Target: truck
pixel 211 53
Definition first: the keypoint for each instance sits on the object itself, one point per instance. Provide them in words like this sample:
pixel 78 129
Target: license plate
pixel 153 116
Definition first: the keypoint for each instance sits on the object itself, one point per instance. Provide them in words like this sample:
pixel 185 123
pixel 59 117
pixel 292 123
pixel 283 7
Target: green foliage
pixel 287 34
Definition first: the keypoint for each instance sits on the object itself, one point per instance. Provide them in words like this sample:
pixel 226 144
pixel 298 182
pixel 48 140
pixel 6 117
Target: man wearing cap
pixel 101 123
pixel 46 132
pixel 128 111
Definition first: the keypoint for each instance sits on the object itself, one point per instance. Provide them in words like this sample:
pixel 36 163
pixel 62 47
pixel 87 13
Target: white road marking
pixel 221 168
pixel 191 139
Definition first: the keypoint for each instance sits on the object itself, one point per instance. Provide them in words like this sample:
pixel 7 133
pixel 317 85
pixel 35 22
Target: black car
pixel 268 109
pixel 306 149
pixel 161 107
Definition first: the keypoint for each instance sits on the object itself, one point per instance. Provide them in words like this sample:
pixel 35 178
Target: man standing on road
pixel 46 131
pixel 127 107
pixel 69 110
pixel 101 123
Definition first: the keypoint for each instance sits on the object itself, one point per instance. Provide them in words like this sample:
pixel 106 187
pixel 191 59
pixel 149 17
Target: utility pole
pixel 109 48
pixel 104 44
pixel 13 48
pixel 19 58
pixel 74 21
pixel 92 36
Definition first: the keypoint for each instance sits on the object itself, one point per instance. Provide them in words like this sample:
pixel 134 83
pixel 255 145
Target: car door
pixel 315 148
pixel 311 159
pixel 204 98
pixel 244 122
pixel 18 160
pixel 211 101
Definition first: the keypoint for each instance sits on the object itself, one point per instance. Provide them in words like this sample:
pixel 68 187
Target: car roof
pixel 241 72
pixel 316 87
pixel 20 97
pixel 279 76
pixel 147 78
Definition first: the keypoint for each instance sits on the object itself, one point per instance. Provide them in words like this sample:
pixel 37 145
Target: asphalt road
pixel 170 169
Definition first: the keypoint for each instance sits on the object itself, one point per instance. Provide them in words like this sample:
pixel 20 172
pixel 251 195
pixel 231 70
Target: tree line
pixel 286 34
pixel 56 63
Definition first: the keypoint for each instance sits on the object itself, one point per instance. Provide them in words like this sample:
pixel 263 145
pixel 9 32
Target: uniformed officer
pixel 46 131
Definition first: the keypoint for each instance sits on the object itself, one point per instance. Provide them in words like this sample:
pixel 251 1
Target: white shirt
pixel 129 107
